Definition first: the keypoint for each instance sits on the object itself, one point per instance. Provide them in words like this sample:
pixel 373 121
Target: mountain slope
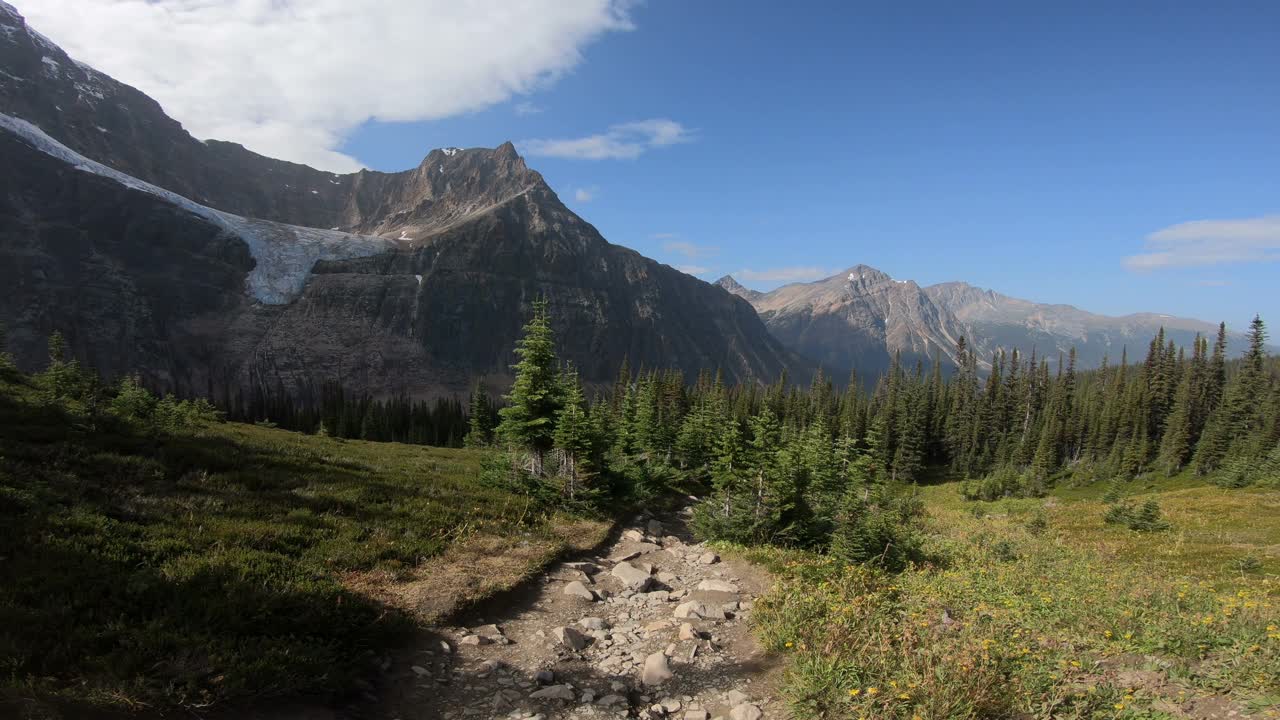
pixel 214 269
pixel 857 319
pixel 1006 321
pixel 861 317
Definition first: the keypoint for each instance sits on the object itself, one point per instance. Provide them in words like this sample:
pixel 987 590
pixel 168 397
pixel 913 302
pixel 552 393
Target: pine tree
pixel 908 458
pixel 481 421
pixel 573 437
pixel 1177 441
pixel 529 419
pixel 1232 424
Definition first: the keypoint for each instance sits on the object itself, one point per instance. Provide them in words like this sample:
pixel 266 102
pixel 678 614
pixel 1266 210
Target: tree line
pixel 831 467
pixel 818 466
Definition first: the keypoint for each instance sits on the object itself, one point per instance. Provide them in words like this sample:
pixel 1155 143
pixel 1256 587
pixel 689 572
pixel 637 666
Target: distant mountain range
pixel 860 317
pixel 209 268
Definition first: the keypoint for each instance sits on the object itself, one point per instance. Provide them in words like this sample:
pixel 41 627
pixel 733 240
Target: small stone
pixel 736 698
pixel 555 692
pixel 655 528
pixel 570 638
pixel 655 670
pixel 634 535
pixel 577 589
pixel 445 647
pixel 610 700
pixel 667 578
pixel 631 576
pixel 695 609
pixel 687 632
pixel 491 631
pixel 419 670
pixel 746 712
pixel 593 623
pixel 696 714
pixel 545 677
pixel 670 706
pixel 709 558
pixel 475 640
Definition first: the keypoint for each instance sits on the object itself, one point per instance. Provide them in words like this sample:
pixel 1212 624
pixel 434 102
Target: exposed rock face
pixel 733 286
pixel 413 282
pixel 1007 321
pixel 859 318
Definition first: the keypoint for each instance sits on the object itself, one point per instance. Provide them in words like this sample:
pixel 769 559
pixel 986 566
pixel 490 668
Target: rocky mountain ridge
pixel 859 318
pixel 212 269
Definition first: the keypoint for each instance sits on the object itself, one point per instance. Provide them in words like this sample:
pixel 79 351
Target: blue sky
pixel 1120 157
pixel 1015 146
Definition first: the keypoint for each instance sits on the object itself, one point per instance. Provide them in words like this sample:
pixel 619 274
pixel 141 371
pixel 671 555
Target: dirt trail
pixel 652 626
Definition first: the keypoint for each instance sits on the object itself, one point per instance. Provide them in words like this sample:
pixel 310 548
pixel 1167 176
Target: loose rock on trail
pixel 652 626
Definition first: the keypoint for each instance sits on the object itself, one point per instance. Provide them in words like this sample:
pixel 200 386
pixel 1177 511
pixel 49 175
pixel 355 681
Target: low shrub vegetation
pixel 1070 620
pixel 151 556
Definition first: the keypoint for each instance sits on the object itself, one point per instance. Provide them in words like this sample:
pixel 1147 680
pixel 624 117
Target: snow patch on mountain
pixel 284 254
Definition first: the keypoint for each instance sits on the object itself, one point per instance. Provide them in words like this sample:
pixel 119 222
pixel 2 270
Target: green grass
pixel 1072 618
pixel 216 565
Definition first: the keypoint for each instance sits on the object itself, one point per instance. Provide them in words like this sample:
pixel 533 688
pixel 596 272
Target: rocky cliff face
pixel 212 268
pixel 859 319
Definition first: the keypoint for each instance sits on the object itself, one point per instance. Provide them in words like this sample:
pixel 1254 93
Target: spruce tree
pixel 1177 442
pixel 481 421
pixel 573 437
pixel 528 421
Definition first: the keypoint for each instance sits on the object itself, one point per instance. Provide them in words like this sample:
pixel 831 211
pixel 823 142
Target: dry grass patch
pixel 476 568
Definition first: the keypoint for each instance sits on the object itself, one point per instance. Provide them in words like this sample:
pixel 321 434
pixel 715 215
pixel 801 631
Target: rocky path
pixel 654 626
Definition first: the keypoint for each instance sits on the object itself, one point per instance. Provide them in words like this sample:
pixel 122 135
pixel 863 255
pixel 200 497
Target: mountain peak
pixel 866 273
pixel 736 288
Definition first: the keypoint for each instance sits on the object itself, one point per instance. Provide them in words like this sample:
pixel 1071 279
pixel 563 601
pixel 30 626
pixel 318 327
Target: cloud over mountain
pixel 293 79
pixel 623 141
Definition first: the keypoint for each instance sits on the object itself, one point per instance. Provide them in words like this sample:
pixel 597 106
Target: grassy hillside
pixel 1037 608
pixel 228 561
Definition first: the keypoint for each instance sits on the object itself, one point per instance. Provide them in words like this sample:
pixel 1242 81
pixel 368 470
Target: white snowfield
pixel 284 254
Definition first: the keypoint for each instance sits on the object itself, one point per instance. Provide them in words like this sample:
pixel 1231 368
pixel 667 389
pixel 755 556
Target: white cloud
pixel 621 142
pixel 585 195
pixel 527 108
pixel 688 249
pixel 1210 242
pixel 692 269
pixel 292 79
pixel 784 274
